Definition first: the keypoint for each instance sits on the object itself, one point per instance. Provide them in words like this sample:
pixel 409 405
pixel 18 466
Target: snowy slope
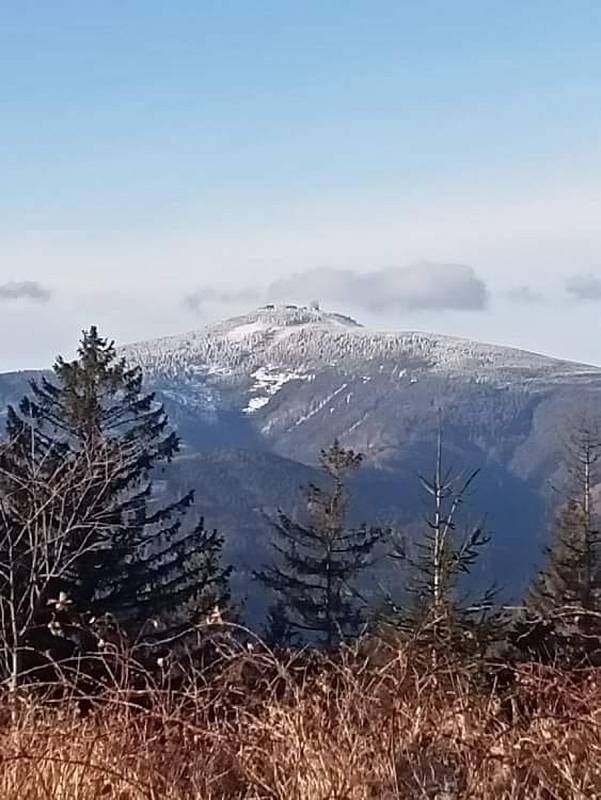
pixel 258 354
pixel 303 337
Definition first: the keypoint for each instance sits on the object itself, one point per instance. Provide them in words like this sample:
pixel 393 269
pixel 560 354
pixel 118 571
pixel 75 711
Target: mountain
pixel 291 377
pixel 256 397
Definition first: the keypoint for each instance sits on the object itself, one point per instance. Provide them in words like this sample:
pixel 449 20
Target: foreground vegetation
pixel 373 722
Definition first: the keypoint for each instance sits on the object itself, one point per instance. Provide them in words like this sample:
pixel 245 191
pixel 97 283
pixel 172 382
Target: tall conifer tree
pixel 571 576
pixel 436 608
pixel 563 609
pixel 320 557
pixel 139 561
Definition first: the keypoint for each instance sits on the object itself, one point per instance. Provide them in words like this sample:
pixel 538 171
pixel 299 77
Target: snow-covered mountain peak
pixel 271 319
pixel 289 340
pixel 269 334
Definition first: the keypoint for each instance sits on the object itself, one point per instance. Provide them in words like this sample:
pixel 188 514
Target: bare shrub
pixel 299 725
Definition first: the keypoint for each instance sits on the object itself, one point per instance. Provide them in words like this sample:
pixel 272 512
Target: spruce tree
pixel 572 573
pixel 137 560
pixel 278 631
pixel 437 609
pixel 319 559
pixel 563 607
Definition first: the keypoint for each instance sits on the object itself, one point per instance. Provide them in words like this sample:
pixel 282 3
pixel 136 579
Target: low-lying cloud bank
pixel 24 290
pixel 423 286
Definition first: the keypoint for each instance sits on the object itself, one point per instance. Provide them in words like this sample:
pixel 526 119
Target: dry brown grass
pixel 310 729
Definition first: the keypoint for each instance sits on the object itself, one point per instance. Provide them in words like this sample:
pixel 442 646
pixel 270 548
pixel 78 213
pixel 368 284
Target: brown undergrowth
pixel 308 727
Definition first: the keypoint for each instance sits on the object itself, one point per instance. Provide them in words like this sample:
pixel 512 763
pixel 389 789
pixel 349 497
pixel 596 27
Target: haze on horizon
pixel 429 166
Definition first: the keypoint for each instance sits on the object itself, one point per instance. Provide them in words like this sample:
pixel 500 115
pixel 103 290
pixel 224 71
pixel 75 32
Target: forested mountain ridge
pixel 255 398
pixel 292 371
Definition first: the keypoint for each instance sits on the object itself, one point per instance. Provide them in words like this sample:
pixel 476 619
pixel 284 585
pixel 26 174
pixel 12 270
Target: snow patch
pixel 268 382
pixel 319 406
pixel 359 422
pixel 256 403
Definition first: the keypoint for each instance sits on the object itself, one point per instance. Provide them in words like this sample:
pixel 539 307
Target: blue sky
pixel 152 151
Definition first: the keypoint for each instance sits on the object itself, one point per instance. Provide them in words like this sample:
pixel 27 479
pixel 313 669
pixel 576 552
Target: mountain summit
pixel 280 344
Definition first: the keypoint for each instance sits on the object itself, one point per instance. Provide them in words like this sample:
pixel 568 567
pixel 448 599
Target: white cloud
pixel 584 287
pixel 24 290
pixel 422 286
pixel 525 295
